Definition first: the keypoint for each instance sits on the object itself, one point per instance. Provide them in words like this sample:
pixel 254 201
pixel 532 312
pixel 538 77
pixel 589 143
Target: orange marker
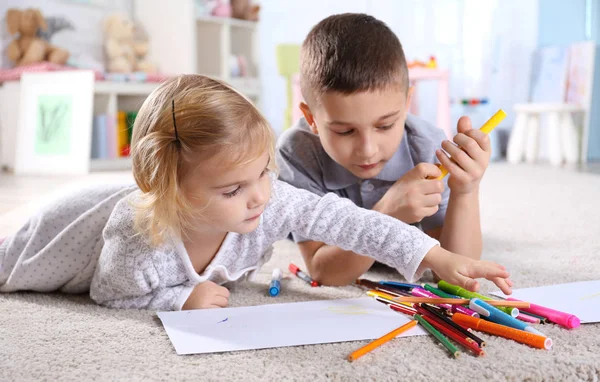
pixel 380 341
pixel 521 336
pixel 459 301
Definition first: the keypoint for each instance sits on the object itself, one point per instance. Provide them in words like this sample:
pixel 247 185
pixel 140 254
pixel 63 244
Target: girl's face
pixel 229 200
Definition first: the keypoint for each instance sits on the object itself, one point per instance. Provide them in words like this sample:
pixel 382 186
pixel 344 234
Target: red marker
pixel 295 270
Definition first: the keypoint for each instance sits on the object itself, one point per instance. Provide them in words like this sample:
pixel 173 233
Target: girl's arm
pixel 131 274
pixel 337 221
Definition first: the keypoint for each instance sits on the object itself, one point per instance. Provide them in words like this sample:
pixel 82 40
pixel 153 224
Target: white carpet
pixel 542 223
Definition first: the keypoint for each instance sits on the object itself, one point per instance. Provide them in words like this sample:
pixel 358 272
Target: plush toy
pixel 28 48
pixel 125 46
pixel 244 9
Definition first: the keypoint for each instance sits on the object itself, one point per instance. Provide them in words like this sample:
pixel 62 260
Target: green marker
pixel 458 291
pixel 447 344
pixel 438 292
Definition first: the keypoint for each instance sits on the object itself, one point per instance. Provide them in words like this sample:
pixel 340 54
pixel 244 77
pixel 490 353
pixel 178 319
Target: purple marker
pixel 420 292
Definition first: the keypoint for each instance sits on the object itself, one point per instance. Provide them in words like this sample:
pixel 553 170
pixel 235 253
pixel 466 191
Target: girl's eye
pixel 343 133
pixel 233 193
pixel 387 127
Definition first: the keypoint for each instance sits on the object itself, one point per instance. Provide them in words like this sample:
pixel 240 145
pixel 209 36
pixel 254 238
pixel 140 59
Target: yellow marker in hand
pixel 486 128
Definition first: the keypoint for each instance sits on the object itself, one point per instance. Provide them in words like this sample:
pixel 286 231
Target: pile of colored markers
pixel 451 314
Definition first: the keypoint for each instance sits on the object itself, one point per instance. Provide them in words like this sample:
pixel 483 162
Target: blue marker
pixel 400 285
pixel 275 285
pixel 496 315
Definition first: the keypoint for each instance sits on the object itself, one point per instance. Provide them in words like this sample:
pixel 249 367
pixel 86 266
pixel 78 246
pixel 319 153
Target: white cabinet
pixel 183 42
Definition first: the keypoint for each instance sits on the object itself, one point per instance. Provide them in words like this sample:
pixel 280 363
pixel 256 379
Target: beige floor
pixel 22 195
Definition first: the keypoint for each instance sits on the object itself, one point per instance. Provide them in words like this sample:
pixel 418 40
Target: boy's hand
pixel 462 271
pixel 469 159
pixel 207 295
pixel 413 196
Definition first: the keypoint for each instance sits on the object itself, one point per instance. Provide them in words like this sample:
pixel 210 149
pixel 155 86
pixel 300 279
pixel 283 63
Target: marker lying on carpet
pixel 380 341
pixel 420 292
pixel 521 336
pixel 567 320
pixel 458 301
pixel 440 337
pixel 398 285
pixel 499 317
pixel 275 285
pixel 448 321
pixel 295 270
pixel 380 287
pixel 486 128
pixel 462 292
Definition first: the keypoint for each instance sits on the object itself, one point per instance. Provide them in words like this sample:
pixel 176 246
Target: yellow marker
pixel 386 296
pixel 486 128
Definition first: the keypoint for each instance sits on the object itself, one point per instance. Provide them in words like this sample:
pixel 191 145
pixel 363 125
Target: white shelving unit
pixel 183 42
pixel 109 98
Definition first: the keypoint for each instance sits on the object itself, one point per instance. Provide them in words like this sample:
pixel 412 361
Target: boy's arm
pixel 410 199
pixel 330 265
pixel 466 160
pixel 461 232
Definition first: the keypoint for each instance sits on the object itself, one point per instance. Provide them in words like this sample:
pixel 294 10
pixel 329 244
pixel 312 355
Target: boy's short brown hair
pixel 349 53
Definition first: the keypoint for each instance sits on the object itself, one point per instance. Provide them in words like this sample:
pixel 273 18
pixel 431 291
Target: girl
pixel 205 211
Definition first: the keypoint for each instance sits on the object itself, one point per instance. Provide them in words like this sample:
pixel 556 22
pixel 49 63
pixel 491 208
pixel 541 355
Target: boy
pixel 357 140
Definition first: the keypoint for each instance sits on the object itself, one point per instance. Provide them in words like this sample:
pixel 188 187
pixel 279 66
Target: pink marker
pixel 420 292
pixel 567 320
pixel 527 318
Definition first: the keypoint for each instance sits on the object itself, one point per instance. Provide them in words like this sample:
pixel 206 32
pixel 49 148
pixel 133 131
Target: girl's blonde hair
pixel 188 119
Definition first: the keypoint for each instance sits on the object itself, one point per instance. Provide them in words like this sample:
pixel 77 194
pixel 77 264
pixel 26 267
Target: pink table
pixel 443 95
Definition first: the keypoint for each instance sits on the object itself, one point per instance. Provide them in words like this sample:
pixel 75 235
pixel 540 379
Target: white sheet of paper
pixel 278 325
pixel 580 298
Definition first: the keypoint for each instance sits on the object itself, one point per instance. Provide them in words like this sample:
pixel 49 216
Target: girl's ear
pixel 310 118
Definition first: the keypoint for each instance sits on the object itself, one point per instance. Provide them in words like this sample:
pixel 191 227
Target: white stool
pixel 563 138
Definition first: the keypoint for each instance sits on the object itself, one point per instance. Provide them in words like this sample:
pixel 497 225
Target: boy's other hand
pixel 413 197
pixel 207 295
pixel 463 271
pixel 470 155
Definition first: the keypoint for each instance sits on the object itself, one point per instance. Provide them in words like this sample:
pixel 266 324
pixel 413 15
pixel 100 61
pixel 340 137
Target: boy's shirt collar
pixel 336 177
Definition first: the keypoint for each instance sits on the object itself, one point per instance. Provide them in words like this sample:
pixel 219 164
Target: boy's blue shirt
pixel 304 163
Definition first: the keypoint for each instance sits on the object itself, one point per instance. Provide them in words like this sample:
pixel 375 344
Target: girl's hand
pixel 462 271
pixel 207 295
pixel 470 156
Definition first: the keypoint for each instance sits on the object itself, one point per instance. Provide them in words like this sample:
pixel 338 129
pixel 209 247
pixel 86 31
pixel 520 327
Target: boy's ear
pixel 310 118
pixel 409 95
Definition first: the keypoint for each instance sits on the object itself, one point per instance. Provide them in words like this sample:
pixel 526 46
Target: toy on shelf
pixel 126 46
pixel 244 10
pixel 221 8
pixel 30 46
pixel 431 64
pixel 472 101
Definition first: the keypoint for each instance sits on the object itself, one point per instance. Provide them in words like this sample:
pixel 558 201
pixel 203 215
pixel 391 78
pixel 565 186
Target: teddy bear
pixel 125 46
pixel 29 48
pixel 245 10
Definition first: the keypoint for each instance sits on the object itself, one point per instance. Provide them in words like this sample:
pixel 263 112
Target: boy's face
pixel 361 131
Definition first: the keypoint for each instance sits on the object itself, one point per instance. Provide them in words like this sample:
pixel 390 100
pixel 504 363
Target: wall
pixel 565 22
pixel 486 45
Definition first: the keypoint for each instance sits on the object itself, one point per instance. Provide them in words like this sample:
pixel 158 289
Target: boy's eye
pixel 387 127
pixel 342 133
pixel 233 193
